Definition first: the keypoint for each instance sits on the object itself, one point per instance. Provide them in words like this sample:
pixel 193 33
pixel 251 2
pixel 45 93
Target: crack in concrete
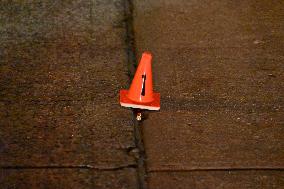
pixel 218 169
pixel 132 63
pixel 98 168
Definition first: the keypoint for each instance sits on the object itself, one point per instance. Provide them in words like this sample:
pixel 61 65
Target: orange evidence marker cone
pixel 141 95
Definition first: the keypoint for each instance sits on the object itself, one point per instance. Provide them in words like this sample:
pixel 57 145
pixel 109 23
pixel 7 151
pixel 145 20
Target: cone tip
pixel 147 55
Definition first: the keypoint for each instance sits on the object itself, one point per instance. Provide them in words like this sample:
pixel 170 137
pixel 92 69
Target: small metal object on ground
pixel 139 116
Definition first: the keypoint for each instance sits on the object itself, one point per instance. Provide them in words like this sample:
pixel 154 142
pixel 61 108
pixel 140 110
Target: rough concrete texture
pixel 62 64
pixel 68 178
pixel 219 68
pixel 217 179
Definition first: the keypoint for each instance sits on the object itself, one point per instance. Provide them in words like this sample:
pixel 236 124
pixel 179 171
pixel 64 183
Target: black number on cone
pixel 144 85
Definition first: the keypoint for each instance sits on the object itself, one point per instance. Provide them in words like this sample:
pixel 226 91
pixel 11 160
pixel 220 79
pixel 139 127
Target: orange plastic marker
pixel 141 95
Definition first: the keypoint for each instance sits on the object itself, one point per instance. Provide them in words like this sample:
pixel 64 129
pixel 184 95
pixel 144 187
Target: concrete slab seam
pixel 132 63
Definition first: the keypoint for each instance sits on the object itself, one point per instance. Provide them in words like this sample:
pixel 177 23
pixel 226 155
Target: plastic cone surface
pixel 140 94
pixel 141 89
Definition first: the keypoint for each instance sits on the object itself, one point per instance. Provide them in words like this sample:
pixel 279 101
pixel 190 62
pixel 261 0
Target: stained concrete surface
pixel 219 68
pixel 62 64
pixel 217 64
pixel 217 179
pixel 68 178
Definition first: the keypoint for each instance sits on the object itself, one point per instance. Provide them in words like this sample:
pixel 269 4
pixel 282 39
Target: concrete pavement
pixel 62 65
pixel 219 68
pixel 217 64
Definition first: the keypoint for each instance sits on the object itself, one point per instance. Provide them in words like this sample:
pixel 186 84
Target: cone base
pixel 126 102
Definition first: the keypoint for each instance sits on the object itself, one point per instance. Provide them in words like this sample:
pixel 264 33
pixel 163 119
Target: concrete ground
pixel 219 68
pixel 62 65
pixel 217 64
